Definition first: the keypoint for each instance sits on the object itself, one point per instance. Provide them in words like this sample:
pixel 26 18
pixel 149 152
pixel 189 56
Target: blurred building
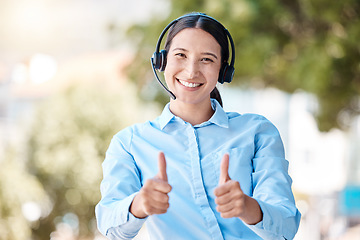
pixel 324 166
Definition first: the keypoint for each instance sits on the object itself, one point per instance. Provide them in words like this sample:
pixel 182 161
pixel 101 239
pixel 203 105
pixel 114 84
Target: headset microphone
pixel 173 97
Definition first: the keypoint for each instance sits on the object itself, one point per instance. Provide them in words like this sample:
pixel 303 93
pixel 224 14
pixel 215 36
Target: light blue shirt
pixel 193 155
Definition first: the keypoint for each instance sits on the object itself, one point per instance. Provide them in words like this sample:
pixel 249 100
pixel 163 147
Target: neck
pixel 192 113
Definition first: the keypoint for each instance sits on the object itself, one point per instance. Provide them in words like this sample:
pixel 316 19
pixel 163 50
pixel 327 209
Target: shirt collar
pixel 219 118
pixel 165 116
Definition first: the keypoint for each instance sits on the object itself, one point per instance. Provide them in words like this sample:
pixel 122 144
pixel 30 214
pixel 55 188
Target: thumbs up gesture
pixel 153 196
pixel 224 170
pixel 230 199
pixel 162 167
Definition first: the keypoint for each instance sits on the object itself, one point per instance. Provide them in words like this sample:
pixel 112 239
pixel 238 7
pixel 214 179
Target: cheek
pixel 213 74
pixel 168 75
pixel 170 69
pixel 171 64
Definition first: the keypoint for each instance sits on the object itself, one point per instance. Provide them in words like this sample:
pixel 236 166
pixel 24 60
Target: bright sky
pixel 63 27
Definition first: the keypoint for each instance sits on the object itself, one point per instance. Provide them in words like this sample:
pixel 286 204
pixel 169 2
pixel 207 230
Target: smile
pixel 188 84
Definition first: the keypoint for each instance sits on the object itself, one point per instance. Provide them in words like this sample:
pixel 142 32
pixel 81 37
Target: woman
pixel 197 172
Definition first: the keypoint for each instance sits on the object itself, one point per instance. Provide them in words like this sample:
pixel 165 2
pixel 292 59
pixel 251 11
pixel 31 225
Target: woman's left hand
pixel 231 200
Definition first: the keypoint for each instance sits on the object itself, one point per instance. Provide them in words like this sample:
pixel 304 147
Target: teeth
pixel 187 84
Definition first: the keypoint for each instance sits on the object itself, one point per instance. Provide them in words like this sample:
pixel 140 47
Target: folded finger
pixel 155 209
pixel 157 185
pixel 160 197
pixel 234 212
pixel 162 186
pixel 224 199
pixel 223 189
pixel 223 208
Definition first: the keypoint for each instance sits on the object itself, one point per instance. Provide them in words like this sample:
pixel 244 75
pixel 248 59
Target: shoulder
pixel 254 123
pixel 126 135
pixel 250 118
pixel 128 131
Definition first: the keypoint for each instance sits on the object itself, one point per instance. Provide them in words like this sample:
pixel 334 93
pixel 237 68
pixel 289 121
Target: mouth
pixel 189 84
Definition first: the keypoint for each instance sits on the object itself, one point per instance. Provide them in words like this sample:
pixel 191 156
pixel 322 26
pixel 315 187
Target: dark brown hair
pixel 209 25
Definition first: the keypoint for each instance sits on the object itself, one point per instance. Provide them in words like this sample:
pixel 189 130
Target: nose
pixel 192 69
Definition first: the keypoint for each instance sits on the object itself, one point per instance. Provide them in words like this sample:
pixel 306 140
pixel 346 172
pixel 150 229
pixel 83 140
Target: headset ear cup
pixel 159 60
pixel 222 73
pixel 156 60
pixel 229 74
pixel 226 73
pixel 163 55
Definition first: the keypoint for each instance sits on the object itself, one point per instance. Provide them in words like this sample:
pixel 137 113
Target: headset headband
pixel 157 49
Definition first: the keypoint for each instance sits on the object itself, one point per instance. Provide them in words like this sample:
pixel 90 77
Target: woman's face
pixel 193 65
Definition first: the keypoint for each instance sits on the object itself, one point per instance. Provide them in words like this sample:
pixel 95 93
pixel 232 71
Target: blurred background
pixel 75 72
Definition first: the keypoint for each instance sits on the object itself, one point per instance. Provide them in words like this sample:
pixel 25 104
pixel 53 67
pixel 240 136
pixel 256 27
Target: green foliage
pixel 288 44
pixel 61 170
pixel 17 187
pixel 66 148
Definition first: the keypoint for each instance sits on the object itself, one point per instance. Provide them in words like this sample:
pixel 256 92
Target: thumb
pixel 162 167
pixel 224 169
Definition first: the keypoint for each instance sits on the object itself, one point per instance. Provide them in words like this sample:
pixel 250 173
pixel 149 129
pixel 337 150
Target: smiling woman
pixel 196 171
pixel 193 66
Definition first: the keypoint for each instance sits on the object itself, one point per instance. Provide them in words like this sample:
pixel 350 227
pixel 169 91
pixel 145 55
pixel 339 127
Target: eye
pixel 180 55
pixel 207 60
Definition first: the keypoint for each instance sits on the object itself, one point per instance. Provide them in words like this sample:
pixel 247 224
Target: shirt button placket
pixel 200 193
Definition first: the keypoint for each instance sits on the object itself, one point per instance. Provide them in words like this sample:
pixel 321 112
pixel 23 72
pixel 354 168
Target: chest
pixel 193 157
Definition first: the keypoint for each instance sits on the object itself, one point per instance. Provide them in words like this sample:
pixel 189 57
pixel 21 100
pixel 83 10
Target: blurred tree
pixel 287 44
pixel 21 197
pixel 67 145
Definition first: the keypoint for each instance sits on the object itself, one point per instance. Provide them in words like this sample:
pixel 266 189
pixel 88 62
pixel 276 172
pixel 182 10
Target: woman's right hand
pixel 153 196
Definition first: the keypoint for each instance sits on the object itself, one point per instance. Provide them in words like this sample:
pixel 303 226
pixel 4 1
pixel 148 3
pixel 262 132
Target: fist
pixel 153 196
pixel 230 199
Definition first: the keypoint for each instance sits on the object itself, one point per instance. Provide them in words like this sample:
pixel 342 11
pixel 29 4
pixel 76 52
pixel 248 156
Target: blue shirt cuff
pixel 128 224
pixel 275 222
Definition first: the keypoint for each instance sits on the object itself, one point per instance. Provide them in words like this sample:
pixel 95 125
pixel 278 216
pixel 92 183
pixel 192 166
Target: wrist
pixel 135 208
pixel 253 214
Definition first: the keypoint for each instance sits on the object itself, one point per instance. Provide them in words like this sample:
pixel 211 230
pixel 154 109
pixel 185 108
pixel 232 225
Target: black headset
pixel 158 59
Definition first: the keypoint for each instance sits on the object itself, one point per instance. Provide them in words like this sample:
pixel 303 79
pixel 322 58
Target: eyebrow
pixel 204 53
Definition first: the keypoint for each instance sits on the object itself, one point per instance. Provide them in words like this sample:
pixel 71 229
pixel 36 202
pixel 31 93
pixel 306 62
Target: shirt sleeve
pixel 121 182
pixel 272 186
